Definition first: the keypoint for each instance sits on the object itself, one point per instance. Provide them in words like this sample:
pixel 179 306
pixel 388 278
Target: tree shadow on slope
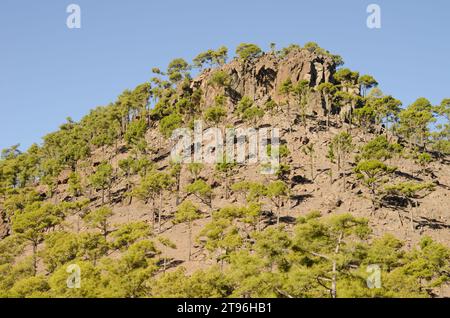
pixel 299 198
pixel 169 263
pixel 299 179
pixel 401 204
pixel 395 202
pixel 431 223
pixel 270 218
pixel 406 175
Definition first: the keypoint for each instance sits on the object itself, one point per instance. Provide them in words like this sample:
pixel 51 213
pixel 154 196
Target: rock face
pixel 262 78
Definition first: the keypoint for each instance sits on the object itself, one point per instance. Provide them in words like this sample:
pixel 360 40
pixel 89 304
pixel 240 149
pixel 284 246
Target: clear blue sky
pixel 49 72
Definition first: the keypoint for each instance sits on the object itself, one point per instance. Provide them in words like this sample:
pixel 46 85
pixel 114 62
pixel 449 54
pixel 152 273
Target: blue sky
pixel 49 72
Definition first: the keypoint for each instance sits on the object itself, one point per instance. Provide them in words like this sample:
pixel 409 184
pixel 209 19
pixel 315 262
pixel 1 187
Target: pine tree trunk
pixel 153 214
pixel 34 258
pixel 328 109
pixel 160 212
pixel 334 275
pixel 278 213
pixel 333 281
pixel 189 240
pixel 411 216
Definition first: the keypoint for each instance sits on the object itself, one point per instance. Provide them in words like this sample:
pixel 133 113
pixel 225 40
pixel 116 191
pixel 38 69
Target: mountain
pixel 360 193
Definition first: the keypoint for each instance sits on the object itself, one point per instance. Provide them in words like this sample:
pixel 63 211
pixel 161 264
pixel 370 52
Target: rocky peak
pixel 261 78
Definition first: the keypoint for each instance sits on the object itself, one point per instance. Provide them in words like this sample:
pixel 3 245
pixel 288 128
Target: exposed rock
pixel 261 79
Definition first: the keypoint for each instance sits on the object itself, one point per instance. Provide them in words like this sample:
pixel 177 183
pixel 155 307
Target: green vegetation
pixel 152 187
pixel 322 257
pixel 211 58
pixel 247 111
pixel 339 149
pixel 372 174
pixel 277 191
pixel 414 122
pixel 410 191
pixel 286 90
pixel 202 191
pixel 187 213
pixel 327 90
pixel 366 82
pixel 101 178
pixel 99 219
pixel 380 148
pixel 301 92
pixel 169 124
pixel 247 51
pixel 220 79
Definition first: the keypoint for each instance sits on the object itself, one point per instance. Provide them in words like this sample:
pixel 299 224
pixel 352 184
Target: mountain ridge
pixel 335 155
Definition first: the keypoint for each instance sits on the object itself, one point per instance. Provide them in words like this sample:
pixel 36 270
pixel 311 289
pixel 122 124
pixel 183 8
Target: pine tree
pixel 414 122
pixel 372 173
pixel 248 51
pixel 60 248
pixel 167 243
pixel 310 152
pixel 277 191
pixel 273 244
pixel 202 191
pixel 33 223
pixel 341 146
pixel 151 187
pixel 380 148
pixel 195 168
pixel 327 90
pixel 129 233
pixel 327 241
pixel 211 58
pixel 101 179
pixel 99 219
pixel 220 79
pixel 286 90
pixel 75 187
pixel 301 91
pixel 226 168
pixel 175 173
pixel 366 82
pixel 187 212
pixel 410 191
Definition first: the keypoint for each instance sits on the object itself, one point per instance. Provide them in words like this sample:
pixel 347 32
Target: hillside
pixel 363 180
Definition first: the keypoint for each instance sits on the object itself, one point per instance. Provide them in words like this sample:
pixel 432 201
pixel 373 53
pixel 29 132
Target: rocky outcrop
pixel 261 79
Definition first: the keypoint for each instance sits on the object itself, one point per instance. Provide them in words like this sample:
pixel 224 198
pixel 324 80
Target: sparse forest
pixel 363 180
